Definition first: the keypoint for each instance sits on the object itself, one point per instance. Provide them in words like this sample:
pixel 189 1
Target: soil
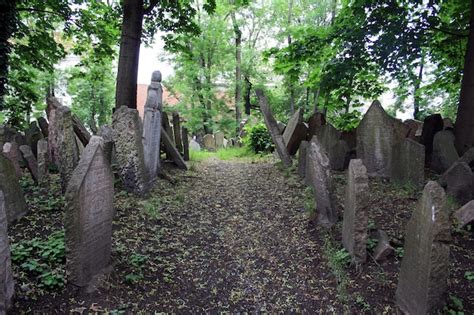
pixel 229 236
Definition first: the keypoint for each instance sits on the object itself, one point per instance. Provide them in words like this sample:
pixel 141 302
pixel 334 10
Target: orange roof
pixel 168 98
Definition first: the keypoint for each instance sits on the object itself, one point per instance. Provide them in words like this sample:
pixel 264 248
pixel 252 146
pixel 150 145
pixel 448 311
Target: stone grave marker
pixel 175 156
pixel 152 125
pixel 219 137
pixel 458 181
pixel 339 155
pixel 408 163
pixel 7 285
pixel 315 121
pixel 444 152
pixel 422 281
pixel 177 132
pixel 127 130
pixel 15 203
pixel 88 216
pixel 356 206
pixel 465 214
pixel 415 128
pixel 467 158
pixel 31 162
pixel 295 132
pixel 194 145
pixel 209 142
pixel 383 248
pixel 431 125
pixel 107 134
pixel 43 160
pixel 12 152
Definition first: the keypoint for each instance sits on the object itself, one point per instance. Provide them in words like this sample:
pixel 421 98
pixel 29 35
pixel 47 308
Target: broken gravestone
pixel 88 216
pixel 7 286
pixel 408 163
pixel 12 152
pixel 219 138
pixel 129 150
pixel 354 228
pixel 152 125
pixel 444 152
pixel 431 125
pixel 302 155
pixel 42 160
pixel 209 142
pixel 458 181
pixel 15 203
pixel 423 276
pixel 30 160
pixel 465 214
pixel 321 181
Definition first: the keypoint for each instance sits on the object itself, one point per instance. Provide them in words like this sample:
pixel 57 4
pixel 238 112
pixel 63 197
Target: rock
pixel 294 132
pixel 459 182
pixel 219 138
pixel 15 203
pixel 177 132
pixel 444 152
pixel 44 126
pixel 377 133
pixel 12 152
pixel 383 248
pixel 184 134
pixel 431 125
pixel 408 163
pixel 356 206
pixel 209 142
pixel 302 155
pixel 152 126
pixel 129 155
pixel 272 127
pixel 465 214
pixel 339 155
pixel 31 162
pixel 43 160
pixel 175 156
pixel 194 145
pixel 7 286
pixel 88 216
pixel 423 276
pixel 321 181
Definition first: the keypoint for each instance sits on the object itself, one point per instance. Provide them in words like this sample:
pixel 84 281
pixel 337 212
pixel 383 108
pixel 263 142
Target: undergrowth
pixel 226 154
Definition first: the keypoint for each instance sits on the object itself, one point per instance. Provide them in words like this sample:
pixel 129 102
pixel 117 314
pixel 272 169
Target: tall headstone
pixel 356 217
pixel 30 160
pixel 377 133
pixel 408 163
pixel 152 125
pixel 14 200
pixel 444 152
pixel 88 216
pixel 423 276
pixel 302 157
pixel 272 127
pixel 12 152
pixel 431 125
pixel 209 142
pixel 43 160
pixel 7 286
pixel 177 132
pixel 321 180
pixel 219 137
pixel 129 155
pixel 184 134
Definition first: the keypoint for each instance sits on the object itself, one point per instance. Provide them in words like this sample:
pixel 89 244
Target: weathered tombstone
pixel 408 163
pixel 79 145
pixel 423 275
pixel 32 135
pixel 31 162
pixel 302 156
pixel 328 137
pixel 18 138
pixel 339 155
pixel 377 133
pixel 43 160
pixel 219 137
pixel 129 150
pixel 107 134
pixel 152 125
pixel 272 127
pixel 383 248
pixel 465 214
pixel 321 180
pixel 315 121
pixel 12 152
pixel 467 158
pixel 194 145
pixel 184 135
pixel 209 142
pixel 458 181
pixel 292 134
pixel 354 228
pixel 7 286
pixel 444 152
pixel 44 126
pixel 14 200
pixel 88 216
pixel 174 154
pixel 431 125
pixel 7 134
pixel 177 132
pixel 62 143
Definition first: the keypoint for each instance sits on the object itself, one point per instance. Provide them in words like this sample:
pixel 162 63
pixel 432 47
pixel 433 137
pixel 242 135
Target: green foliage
pixel 137 264
pixel 258 138
pixel 455 306
pixel 338 259
pixel 469 275
pixel 371 243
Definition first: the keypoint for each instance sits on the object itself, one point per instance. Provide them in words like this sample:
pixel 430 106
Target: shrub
pixel 258 139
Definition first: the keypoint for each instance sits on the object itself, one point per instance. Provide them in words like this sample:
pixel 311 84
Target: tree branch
pixel 449 32
pixel 150 7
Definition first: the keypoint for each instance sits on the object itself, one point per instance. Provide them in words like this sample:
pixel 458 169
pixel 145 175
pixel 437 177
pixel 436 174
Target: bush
pixel 258 139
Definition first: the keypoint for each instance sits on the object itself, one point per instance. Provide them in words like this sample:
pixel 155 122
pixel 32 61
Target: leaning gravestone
pixel 7 286
pixel 219 137
pixel 209 142
pixel 458 181
pixel 88 216
pixel 377 133
pixel 31 162
pixel 444 152
pixel 14 200
pixel 356 207
pixel 321 181
pixel 42 160
pixel 12 152
pixel 423 274
pixel 175 156
pixel 302 156
pixel 295 132
pixel 465 214
pixel 152 125
pixel 431 125
pixel 408 163
pixel 129 150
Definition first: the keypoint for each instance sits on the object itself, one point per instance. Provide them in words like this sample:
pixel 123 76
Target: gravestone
pixel 294 132
pixel 129 155
pixel 383 248
pixel 30 160
pixel 226 143
pixel 356 207
pixel 209 142
pixel 351 138
pixel 43 160
pixel 7 134
pixel 272 127
pixel 468 158
pixel 12 152
pixel 315 121
pixel 377 133
pixel 281 127
pixel 321 181
pixel 422 281
pixel 152 125
pixel 62 143
pixel 444 152
pixel 88 216
pixel 194 145
pixel 415 128
pixel 44 126
pixel 408 163
pixel 107 134
pixel 79 145
pixel 32 135
pixel 339 155
pixel 431 125
pixel 177 132
pixel 328 137
pixel 302 156
pixel 184 136
pixel 219 137
pixel 459 182
pixel 14 200
pixel 7 285
pixel 175 156
pixel 465 214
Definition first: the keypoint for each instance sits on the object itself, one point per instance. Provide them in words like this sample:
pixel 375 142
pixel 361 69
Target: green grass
pixel 233 153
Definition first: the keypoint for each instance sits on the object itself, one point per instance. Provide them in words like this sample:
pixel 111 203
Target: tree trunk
pixel 464 128
pixel 238 71
pixel 248 89
pixel 291 86
pixel 416 97
pixel 7 27
pixel 316 99
pixel 126 92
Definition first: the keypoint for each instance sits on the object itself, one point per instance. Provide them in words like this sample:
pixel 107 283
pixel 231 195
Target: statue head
pixel 156 76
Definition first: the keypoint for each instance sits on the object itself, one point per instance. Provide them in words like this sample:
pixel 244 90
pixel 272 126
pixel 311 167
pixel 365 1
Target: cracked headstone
pixel 422 280
pixel 15 203
pixel 408 163
pixel 7 285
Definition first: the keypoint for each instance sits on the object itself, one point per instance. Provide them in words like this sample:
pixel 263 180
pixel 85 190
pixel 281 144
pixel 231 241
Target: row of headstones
pixel 213 142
